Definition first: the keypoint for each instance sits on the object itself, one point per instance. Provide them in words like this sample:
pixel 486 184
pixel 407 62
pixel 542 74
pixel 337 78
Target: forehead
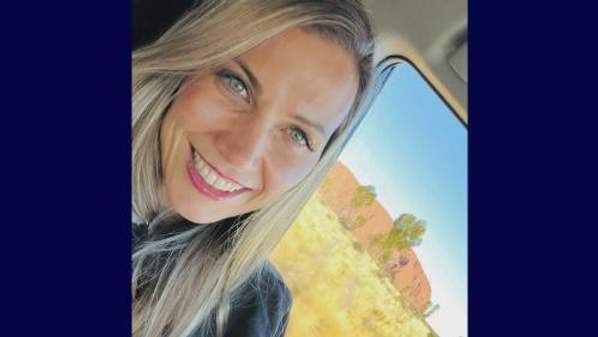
pixel 306 75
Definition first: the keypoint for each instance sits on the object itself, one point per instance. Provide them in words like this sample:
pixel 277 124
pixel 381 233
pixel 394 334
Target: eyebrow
pixel 254 82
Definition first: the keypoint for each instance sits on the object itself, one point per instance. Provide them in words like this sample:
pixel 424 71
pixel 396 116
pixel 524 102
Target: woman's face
pixel 235 140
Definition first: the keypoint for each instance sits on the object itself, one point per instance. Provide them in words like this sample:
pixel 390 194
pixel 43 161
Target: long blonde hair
pixel 183 281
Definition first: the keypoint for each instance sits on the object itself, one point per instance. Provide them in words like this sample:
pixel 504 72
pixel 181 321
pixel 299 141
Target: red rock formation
pixel 406 272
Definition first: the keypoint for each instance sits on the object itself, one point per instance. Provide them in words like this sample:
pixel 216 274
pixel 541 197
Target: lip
pixel 203 187
pixel 215 169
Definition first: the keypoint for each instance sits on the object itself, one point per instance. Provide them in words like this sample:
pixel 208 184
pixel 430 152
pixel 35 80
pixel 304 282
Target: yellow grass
pixel 336 287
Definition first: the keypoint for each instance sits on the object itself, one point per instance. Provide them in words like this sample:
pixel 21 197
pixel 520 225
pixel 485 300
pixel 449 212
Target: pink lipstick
pixel 206 189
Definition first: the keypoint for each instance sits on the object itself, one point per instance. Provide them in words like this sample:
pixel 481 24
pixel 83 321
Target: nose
pixel 244 146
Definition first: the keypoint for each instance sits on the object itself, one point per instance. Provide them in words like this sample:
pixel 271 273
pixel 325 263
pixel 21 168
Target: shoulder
pixel 261 306
pixel 274 283
pixel 268 289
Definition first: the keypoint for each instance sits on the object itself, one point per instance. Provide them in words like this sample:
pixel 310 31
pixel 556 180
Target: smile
pixel 207 180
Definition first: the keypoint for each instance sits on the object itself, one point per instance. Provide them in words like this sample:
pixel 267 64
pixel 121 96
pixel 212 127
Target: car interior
pixel 417 192
pixel 431 35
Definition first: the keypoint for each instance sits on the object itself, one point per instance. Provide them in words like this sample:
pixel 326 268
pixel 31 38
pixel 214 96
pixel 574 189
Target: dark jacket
pixel 262 306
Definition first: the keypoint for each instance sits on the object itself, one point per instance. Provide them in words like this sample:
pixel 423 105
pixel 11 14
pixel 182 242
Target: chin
pixel 191 210
pixel 194 214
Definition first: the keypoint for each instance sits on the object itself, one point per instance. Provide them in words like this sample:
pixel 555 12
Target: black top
pixel 262 306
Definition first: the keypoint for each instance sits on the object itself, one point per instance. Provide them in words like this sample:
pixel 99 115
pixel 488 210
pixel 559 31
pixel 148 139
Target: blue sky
pixel 413 149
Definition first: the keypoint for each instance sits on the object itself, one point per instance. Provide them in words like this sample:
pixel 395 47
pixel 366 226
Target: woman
pixel 239 110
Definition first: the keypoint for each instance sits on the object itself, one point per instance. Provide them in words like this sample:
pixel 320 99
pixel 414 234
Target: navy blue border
pixel 532 170
pixel 66 168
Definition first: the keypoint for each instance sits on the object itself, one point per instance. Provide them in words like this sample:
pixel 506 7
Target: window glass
pixel 381 249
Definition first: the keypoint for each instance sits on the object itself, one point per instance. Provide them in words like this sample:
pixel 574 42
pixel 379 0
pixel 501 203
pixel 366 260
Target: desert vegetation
pixel 338 288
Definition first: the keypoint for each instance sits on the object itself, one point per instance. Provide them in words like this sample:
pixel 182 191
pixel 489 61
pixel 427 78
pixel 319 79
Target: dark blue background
pixel 532 170
pixel 66 169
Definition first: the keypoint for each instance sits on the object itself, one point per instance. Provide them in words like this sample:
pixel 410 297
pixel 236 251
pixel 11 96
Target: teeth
pixel 228 186
pixel 198 162
pixel 204 171
pixel 212 177
pixel 220 184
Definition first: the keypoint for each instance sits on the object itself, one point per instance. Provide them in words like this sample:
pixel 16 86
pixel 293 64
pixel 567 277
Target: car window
pixel 381 249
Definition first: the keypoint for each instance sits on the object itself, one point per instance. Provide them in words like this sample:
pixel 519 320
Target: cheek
pixel 286 173
pixel 199 106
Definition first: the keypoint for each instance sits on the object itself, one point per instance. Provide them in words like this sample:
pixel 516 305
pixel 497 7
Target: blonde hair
pixel 186 279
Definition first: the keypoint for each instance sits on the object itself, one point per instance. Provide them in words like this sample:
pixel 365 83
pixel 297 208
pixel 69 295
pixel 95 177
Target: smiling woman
pixel 239 110
pixel 242 143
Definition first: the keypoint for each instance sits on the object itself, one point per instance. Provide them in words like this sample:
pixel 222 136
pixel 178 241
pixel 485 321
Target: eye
pixel 235 84
pixel 299 137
